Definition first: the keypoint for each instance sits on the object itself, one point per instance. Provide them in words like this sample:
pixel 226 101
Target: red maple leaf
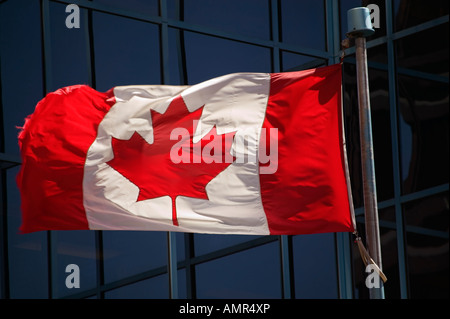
pixel 151 168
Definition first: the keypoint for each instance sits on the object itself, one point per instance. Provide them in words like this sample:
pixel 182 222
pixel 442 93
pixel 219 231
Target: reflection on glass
pixel 409 13
pixel 426 51
pixel 430 212
pixel 427 259
pixel 423 132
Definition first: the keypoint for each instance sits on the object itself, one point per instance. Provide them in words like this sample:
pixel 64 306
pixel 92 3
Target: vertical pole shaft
pixel 367 162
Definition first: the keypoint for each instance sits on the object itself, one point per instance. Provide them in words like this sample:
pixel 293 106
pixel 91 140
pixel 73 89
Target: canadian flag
pixel 245 153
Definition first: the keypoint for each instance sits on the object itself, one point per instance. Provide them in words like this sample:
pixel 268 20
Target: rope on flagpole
pixel 366 257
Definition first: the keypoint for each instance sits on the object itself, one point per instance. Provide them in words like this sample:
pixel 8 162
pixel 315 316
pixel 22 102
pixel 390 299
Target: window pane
pixel 69 57
pixel 427 256
pixel 21 71
pixel 206 243
pixel 298 62
pixel 21 85
pixel 409 13
pixel 126 52
pixel 149 7
pixel 153 288
pixel 303 23
pixel 74 247
pixel 127 253
pixel 430 212
pixel 430 56
pixel 423 132
pixel 254 273
pixel 249 18
pixel 27 253
pixel 208 57
pixel 315 270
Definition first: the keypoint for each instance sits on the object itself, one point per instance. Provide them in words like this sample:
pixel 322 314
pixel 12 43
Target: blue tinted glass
pixel 315 270
pixel 303 23
pixel 254 273
pixel 127 253
pixel 69 49
pixel 298 62
pixel 21 85
pixel 208 57
pixel 206 243
pixel 149 7
pixel 126 52
pixel 153 288
pixel 181 276
pixel 27 253
pixel 21 71
pixel 249 18
pixel 77 248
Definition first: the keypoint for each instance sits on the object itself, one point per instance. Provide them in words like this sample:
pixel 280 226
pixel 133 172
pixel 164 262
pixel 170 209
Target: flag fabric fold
pixel 244 153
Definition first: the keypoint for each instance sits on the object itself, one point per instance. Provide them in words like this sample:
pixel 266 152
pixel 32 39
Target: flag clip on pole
pixel 360 27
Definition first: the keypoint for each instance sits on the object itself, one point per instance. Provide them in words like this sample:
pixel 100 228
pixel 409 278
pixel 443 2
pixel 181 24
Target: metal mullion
pixel 172 268
pixel 424 193
pixel 90 59
pixel 342 240
pixel 47 85
pixel 191 288
pixel 4 256
pixel 275 34
pixel 395 150
pixel 285 241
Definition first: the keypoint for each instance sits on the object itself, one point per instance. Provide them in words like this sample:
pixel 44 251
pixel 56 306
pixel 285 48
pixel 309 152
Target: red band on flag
pixel 308 192
pixel 51 178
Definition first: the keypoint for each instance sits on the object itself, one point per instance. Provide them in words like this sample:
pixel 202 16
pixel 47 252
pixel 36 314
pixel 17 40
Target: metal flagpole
pixel 359 27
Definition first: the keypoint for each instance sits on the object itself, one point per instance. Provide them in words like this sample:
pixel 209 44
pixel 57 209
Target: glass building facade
pixel 185 42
